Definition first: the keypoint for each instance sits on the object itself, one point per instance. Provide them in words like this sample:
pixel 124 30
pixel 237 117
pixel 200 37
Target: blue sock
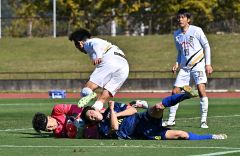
pixel 193 136
pixel 174 99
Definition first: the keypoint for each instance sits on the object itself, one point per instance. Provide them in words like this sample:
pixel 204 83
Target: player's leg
pixel 200 79
pixel 87 93
pixel 98 78
pixel 182 79
pixel 157 110
pixel 172 110
pixel 179 134
pixel 203 105
pixel 105 96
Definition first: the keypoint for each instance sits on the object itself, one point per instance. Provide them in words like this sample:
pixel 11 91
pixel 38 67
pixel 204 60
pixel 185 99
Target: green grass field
pixel 17 137
pixel 148 53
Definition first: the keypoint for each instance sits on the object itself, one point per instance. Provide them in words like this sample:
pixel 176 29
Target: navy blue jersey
pixel 126 124
pixel 136 126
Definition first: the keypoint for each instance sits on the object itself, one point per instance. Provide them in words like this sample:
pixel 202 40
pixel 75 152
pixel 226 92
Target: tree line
pixel 158 16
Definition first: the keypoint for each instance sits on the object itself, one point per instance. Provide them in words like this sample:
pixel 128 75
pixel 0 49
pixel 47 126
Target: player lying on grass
pixel 122 121
pixel 65 120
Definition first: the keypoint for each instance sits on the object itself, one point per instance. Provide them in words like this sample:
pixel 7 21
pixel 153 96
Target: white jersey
pixel 96 47
pixel 191 47
pixel 112 72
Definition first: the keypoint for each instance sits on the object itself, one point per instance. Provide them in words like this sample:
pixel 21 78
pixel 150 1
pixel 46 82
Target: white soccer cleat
pixel 219 136
pixel 85 100
pixel 139 104
pixel 204 125
pixel 168 123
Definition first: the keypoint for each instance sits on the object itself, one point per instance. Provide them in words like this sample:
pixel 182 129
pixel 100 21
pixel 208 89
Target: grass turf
pixel 148 53
pixel 17 136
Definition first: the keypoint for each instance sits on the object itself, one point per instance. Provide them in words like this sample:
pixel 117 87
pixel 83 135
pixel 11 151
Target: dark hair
pixel 79 35
pixel 39 122
pixel 184 12
pixel 84 112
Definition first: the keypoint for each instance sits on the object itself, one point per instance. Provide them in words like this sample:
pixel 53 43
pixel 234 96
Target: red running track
pixel 118 95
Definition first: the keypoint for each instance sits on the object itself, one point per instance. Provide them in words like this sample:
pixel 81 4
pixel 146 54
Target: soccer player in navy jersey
pixel 122 121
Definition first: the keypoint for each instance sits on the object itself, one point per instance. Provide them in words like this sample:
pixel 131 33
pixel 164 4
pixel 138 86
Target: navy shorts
pixel 150 128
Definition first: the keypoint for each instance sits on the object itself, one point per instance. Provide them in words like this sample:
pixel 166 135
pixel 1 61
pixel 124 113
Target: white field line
pixel 224 116
pixel 10 130
pixel 121 146
pixel 218 153
pixel 22 104
pixel 228 116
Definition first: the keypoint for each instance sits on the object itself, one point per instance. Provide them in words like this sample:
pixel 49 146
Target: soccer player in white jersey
pixel 194 60
pixel 111 70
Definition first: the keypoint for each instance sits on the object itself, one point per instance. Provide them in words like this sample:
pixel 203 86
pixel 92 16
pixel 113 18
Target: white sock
pixel 172 112
pixel 204 108
pixel 85 91
pixel 98 105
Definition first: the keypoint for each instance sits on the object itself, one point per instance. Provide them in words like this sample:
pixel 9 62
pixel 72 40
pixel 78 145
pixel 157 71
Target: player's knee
pixel 85 91
pixel 176 90
pixel 183 135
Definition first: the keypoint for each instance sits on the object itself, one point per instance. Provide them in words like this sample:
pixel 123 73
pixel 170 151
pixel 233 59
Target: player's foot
pixel 85 100
pixel 139 104
pixel 168 123
pixel 219 136
pixel 190 92
pixel 204 125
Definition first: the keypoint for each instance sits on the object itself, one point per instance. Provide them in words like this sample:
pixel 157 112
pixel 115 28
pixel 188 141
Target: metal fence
pixel 85 75
pixel 123 25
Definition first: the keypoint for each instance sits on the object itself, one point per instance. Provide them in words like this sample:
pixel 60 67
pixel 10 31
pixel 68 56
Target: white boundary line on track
pixel 218 153
pixel 121 146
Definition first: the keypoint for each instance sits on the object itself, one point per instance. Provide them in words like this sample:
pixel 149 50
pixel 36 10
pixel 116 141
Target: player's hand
pixel 209 69
pixel 97 61
pixel 111 105
pixel 174 68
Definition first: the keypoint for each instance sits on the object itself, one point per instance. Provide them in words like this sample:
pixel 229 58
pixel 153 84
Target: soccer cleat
pixel 219 136
pixel 204 125
pixel 139 104
pixel 85 100
pixel 168 123
pixel 190 92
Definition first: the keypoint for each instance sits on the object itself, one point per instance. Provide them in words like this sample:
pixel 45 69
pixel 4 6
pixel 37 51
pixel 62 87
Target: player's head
pixel 78 37
pixel 90 115
pixel 39 122
pixel 183 17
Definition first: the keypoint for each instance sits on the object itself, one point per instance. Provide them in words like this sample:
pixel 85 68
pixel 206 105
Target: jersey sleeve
pixel 66 109
pixel 178 48
pixel 98 49
pixel 205 44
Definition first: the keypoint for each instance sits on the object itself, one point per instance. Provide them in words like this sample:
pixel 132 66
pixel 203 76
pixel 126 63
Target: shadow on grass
pixel 36 135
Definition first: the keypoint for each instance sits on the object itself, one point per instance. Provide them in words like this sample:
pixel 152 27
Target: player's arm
pixel 178 59
pixel 99 51
pixel 113 117
pixel 127 112
pixel 207 51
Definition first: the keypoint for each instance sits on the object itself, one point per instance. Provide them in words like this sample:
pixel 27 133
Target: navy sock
pixel 193 136
pixel 173 99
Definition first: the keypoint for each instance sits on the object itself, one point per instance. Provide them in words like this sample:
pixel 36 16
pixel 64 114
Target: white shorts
pixel 184 77
pixel 111 73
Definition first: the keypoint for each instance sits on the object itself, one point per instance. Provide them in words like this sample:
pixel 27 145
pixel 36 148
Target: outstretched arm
pixel 127 112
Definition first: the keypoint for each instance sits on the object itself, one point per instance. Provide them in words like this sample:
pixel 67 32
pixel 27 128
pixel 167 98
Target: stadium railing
pixel 85 75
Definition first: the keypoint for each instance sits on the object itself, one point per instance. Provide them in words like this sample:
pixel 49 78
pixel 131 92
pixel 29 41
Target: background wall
pixel 137 85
